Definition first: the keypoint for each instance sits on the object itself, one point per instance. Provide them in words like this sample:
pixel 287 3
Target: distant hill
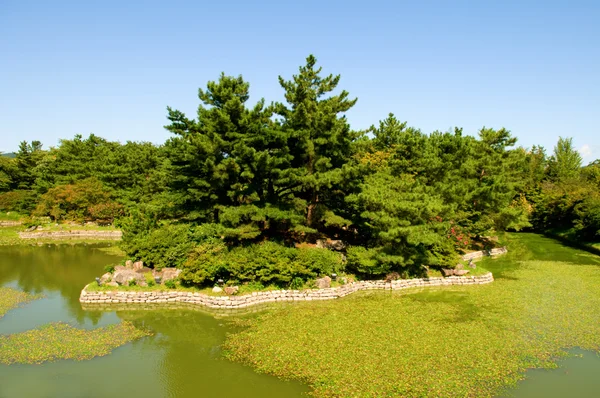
pixel 9 154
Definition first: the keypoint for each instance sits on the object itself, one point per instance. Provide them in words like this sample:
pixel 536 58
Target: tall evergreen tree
pixel 319 138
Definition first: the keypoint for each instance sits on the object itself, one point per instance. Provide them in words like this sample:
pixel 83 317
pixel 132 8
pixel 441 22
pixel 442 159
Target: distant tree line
pixel 243 191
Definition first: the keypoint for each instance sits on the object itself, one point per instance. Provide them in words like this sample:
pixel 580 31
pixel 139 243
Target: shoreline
pixel 152 297
pixel 90 299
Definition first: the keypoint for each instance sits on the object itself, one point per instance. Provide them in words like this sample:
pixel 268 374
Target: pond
pixel 181 359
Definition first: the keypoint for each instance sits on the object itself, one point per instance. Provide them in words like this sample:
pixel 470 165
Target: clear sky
pixel 111 67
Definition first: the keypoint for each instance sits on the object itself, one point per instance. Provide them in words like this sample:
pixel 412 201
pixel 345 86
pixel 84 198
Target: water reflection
pixel 182 358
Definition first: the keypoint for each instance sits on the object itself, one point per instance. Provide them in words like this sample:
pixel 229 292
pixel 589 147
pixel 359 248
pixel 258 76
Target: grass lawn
pixel 443 342
pixel 11 216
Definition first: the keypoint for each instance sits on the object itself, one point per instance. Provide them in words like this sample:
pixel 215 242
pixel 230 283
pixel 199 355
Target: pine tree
pixel 319 139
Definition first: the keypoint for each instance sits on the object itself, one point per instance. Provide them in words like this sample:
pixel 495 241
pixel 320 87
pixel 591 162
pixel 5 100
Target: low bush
pixel 165 246
pixel 265 263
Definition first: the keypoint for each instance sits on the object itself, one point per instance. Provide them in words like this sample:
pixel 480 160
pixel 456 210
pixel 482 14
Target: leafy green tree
pixel 565 162
pixel 84 200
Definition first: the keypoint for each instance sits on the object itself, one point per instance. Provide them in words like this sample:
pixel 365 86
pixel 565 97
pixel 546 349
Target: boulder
pixel 457 272
pixel 142 283
pixel 123 277
pixel 129 264
pixel 230 290
pixel 331 244
pixel 169 273
pixel 217 289
pixel 143 270
pixel 112 284
pixel 323 283
pixel 120 268
pixel 105 278
pixel 138 265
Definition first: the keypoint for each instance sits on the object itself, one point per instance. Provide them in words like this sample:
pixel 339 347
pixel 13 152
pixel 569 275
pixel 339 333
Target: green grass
pixel 11 216
pixel 11 298
pixel 9 236
pixel 58 341
pixel 49 227
pixel 443 342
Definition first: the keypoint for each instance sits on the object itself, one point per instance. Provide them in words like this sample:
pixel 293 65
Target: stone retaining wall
pixel 72 234
pixel 10 223
pixel 237 302
pixel 483 253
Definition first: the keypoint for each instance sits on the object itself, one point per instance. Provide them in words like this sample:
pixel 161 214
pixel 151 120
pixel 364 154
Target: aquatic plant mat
pixel 56 341
pixel 447 342
pixel 61 341
pixel 11 298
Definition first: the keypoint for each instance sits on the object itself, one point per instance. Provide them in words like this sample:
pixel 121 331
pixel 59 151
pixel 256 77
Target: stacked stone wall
pixel 271 296
pixel 72 234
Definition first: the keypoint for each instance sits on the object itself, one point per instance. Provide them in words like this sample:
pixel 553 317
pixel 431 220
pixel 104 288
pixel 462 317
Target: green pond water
pixel 183 357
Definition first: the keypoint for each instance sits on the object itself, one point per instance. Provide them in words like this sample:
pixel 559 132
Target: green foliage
pixel 565 161
pixel 132 283
pixel 149 279
pixel 109 268
pixel 170 284
pixel 157 246
pixel 84 200
pixel 470 341
pixel 297 283
pixel 266 263
pixel 21 201
pixel 240 178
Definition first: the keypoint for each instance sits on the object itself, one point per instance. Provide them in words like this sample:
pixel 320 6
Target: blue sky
pixel 111 67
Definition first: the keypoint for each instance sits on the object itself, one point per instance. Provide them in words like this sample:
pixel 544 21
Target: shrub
pixel 366 261
pixel 165 246
pixel 132 282
pixel 109 268
pixel 265 263
pixel 170 284
pixel 297 283
pixel 587 219
pixel 149 279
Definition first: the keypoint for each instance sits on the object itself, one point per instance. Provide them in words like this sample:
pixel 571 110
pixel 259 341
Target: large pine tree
pixel 319 139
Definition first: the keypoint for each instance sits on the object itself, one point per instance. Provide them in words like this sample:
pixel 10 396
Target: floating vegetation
pixel 459 341
pixel 11 298
pixel 57 341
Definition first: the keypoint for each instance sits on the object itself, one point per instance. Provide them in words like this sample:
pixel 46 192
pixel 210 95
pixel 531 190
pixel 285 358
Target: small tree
pixel 565 162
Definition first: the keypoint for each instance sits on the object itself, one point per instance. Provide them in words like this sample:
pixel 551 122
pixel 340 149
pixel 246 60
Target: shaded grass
pixel 11 298
pixel 459 341
pixel 57 341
